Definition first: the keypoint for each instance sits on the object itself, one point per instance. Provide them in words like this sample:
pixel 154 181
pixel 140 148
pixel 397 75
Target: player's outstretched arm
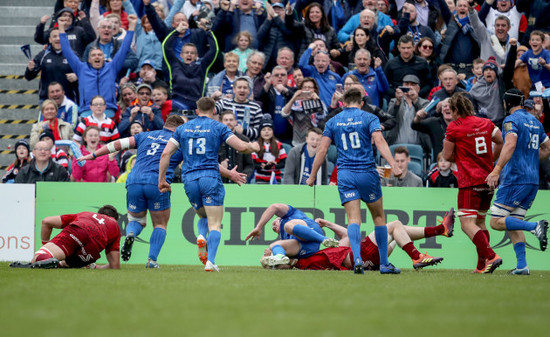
pixel 233 174
pixel 48 223
pixel 340 231
pixel 448 151
pixel 171 147
pixel 385 152
pixel 275 209
pixel 319 159
pixel 507 152
pixel 243 147
pixel 114 146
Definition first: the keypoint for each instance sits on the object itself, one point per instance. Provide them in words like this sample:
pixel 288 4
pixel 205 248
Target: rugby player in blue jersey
pixel 518 170
pixel 353 131
pixel 199 141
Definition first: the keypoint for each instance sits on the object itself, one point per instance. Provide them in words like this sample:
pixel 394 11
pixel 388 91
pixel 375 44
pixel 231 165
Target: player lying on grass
pixel 82 238
pixel 341 258
pixel 300 236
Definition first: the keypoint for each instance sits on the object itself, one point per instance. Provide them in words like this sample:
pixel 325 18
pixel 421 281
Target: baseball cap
pixel 278 4
pixel 148 62
pixel 529 103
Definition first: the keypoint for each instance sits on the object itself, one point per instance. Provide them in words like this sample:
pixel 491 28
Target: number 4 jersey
pixel 472 137
pixel 523 167
pixel 351 131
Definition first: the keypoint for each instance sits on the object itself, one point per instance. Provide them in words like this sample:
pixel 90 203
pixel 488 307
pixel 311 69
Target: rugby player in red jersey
pixel 82 238
pixel 468 142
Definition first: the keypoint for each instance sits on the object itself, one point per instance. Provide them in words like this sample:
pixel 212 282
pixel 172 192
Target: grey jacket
pixel 295 166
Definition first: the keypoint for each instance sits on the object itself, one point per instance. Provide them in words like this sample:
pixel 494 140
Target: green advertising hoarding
pixel 244 206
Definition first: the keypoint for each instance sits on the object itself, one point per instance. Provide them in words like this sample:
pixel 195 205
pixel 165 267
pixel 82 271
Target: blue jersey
pixel 351 131
pixel 523 167
pixel 295 214
pixel 199 141
pixel 149 149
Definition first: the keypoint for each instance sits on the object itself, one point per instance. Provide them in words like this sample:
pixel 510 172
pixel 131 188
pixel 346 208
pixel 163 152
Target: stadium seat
pixel 287 148
pixel 416 168
pixel 332 154
pixel 415 152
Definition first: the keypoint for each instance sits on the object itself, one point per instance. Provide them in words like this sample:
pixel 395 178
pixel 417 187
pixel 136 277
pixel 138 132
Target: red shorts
pixel 474 200
pixel 79 250
pixel 328 258
pixel 369 252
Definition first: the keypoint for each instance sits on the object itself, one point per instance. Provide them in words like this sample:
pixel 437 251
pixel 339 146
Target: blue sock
pixel 212 243
pixel 519 248
pixel 515 224
pixel 354 235
pixel 157 240
pixel 135 227
pixel 277 249
pixel 381 235
pixel 203 226
pixel 307 233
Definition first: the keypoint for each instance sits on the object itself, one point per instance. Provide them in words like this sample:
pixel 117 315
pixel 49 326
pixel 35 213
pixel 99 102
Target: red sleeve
pixel 67 219
pixel 334 176
pixel 450 134
pixel 523 24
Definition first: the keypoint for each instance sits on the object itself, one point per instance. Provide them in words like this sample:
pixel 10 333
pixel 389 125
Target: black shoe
pixel 126 251
pixel 358 269
pixel 51 263
pixel 541 233
pixel 20 265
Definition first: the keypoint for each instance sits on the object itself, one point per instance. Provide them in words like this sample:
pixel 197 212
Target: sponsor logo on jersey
pixel 507 126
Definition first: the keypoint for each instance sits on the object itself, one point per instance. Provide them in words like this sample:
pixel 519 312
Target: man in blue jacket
pixel 96 77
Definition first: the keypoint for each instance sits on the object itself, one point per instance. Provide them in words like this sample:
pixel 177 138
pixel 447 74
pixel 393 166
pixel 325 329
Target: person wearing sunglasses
pixel 143 110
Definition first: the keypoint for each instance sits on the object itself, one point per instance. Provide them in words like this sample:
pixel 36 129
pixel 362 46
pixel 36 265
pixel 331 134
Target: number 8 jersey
pixel 473 151
pixel 523 167
pixel 351 131
pixel 199 141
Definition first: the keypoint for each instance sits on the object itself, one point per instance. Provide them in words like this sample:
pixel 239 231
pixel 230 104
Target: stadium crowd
pixel 281 67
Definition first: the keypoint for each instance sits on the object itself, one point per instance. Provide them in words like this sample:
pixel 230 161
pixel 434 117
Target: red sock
pixel 486 232
pixel 482 246
pixel 434 230
pixel 411 250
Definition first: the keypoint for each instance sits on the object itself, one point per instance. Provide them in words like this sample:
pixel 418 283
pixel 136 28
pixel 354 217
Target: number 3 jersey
pixel 472 137
pixel 523 167
pixel 149 149
pixel 199 141
pixel 351 131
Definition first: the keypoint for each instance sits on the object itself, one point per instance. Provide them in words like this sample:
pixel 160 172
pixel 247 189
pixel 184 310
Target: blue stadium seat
pixel 415 152
pixel 416 168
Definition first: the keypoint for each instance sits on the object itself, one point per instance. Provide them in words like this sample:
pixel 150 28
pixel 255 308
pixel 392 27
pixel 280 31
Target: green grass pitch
pixel 250 301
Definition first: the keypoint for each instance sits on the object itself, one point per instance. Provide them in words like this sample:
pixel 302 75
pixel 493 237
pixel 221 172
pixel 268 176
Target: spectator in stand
pixel 440 70
pixel 230 21
pixel 361 39
pixel 537 59
pixel 110 47
pixel 274 35
pixel 116 7
pixel 142 109
pixel 135 128
pixel 222 83
pixel 369 18
pixel 520 74
pixel 537 12
pixel 427 12
pixel 314 25
pixel 425 49
pixel 298 77
pixel 22 158
pixel 58 155
pixel 477 69
pixel 67 110
pixel 147 74
pixel 407 178
pixel 160 98
pixel 407 64
pixel 300 161
pixel 274 96
pixel 118 32
pixel 373 80
pixel 79 36
pixel 449 83
pixel 442 175
pixel 409 24
pixel 228 157
pixel 254 66
pixel 41 167
pixel 460 46
pixel 243 41
pixel 325 78
pixel 101 170
pixel 187 77
pixel 305 109
pixel 52 67
pixel 489 15
pixel 434 127
pixel 403 108
pixel 127 95
pixel 285 59
pixel 249 114
pixel 96 70
pixel 148 46
pixel 61 129
pixel 107 127
pixel 492 44
pixel 272 155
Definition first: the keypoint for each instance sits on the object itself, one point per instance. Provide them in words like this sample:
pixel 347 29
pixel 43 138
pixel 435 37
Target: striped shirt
pixel 107 129
pixel 59 156
pixel 248 114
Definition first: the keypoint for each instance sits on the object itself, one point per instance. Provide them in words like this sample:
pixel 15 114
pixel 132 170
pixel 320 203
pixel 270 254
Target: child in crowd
pixel 442 175
pixel 272 155
pixel 477 69
pixel 243 41
pixel 160 98
pixel 58 155
pixel 22 158
pixel 537 59
pixel 98 118
pixel 102 169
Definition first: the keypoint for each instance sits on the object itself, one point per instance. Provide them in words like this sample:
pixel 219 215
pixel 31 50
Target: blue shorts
pixel 359 185
pixel 205 191
pixel 307 248
pixel 140 198
pixel 515 196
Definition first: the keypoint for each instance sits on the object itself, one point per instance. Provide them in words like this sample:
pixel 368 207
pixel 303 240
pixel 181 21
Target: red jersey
pixel 102 229
pixel 472 137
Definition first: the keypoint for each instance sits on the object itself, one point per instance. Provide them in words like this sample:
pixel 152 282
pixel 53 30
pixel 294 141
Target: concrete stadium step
pixel 19 99
pixel 13 68
pixel 17 31
pixel 30 3
pixel 15 129
pixel 10 53
pixel 25 11
pixel 19 84
pixel 24 114
pixel 17 40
